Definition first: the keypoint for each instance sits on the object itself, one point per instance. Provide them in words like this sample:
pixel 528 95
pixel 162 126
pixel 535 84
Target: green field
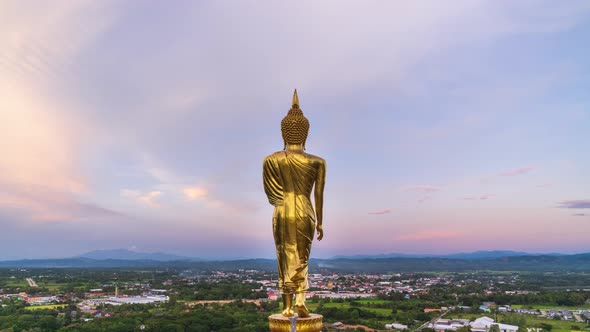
pixel 312 306
pixel 372 301
pixel 558 325
pixel 49 306
pixel 22 283
pixel 52 286
pixel 16 283
pixel 531 321
pixel 547 307
pixel 346 305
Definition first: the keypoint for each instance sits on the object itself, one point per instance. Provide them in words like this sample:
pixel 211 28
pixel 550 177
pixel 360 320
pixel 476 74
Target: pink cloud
pixel 517 171
pixel 42 204
pixel 431 235
pixel 195 193
pixel 423 188
pixel 475 198
pixel 384 211
pixel 424 199
pixel 149 198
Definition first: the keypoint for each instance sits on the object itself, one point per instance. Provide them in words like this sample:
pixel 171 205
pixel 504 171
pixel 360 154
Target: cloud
pixel 515 172
pixel 40 173
pixel 384 211
pixel 149 198
pixel 200 193
pixel 423 188
pixel 474 198
pixel 575 204
pixel 42 204
pixel 424 199
pixel 580 214
pixel 195 193
pixel 79 102
pixel 430 235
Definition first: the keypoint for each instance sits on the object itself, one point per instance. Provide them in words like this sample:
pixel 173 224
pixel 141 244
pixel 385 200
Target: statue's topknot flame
pixel 295 126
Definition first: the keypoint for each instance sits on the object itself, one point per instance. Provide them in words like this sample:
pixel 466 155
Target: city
pixel 90 300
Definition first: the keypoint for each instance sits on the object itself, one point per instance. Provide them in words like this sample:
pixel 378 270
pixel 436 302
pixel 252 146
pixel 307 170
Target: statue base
pixel 280 323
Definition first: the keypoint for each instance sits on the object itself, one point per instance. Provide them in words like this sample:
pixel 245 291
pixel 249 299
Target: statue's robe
pixel 288 181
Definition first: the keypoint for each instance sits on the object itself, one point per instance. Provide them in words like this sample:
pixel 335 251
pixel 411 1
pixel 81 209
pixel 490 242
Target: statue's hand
pixel 320 231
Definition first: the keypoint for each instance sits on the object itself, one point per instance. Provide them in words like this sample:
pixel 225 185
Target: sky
pixel 446 126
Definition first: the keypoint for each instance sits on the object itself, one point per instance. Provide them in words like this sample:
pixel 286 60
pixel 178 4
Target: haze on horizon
pixel 447 126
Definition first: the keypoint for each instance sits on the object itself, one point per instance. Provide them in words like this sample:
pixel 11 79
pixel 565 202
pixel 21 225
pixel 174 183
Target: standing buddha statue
pixel 290 176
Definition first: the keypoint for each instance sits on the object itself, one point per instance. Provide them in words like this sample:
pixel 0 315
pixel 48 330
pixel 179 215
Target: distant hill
pixel 124 254
pixel 536 263
pixel 463 255
pixel 528 262
pixel 489 254
pixel 379 256
pixel 80 262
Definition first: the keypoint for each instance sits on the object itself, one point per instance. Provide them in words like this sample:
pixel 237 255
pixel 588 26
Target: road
pixel 32 282
pixel 431 321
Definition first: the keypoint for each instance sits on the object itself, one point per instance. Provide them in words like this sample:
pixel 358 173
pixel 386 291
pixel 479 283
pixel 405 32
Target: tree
pixel 546 327
pixel 354 315
pixel 494 328
pixel 48 323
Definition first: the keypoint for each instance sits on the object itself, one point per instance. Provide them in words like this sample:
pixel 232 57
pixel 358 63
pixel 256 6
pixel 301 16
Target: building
pixel 36 300
pixel 443 324
pixel 272 296
pixel 483 324
pixel 396 326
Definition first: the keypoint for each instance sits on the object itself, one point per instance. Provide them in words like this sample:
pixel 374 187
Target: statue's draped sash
pixel 288 182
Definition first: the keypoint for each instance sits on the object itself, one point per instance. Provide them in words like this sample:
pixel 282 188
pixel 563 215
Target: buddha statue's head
pixel 295 126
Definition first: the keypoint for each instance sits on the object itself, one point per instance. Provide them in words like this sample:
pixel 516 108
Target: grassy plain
pixel 52 286
pixel 15 282
pixel 547 307
pixel 346 305
pixel 531 321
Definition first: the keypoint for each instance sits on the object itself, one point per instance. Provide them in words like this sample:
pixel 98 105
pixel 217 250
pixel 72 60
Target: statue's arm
pixel 319 197
pixel 272 187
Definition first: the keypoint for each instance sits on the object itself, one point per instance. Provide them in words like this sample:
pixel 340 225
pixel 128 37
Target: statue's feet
pixel 302 311
pixel 288 312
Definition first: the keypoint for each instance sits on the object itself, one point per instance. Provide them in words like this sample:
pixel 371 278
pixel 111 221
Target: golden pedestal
pixel 280 323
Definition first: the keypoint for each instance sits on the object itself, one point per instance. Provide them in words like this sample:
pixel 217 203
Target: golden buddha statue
pixel 289 177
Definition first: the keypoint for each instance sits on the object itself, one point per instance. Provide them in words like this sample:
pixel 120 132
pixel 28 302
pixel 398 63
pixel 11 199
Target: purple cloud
pixel 423 188
pixel 384 211
pixel 475 198
pixel 575 204
pixel 517 171
pixel 423 199
pixel 580 214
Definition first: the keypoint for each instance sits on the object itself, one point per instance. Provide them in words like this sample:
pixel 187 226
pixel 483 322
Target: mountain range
pixel 482 260
pixel 462 255
pixel 124 254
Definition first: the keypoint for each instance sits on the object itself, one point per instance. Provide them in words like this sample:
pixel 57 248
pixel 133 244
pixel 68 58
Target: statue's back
pixel 297 171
